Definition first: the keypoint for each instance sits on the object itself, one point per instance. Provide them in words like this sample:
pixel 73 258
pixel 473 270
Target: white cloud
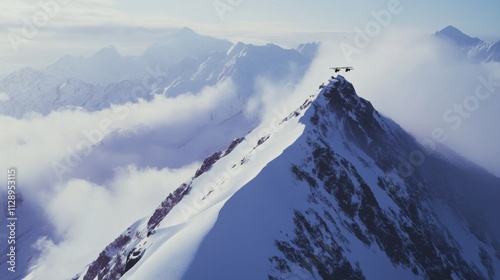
pixel 89 209
pixel 88 216
pixel 56 137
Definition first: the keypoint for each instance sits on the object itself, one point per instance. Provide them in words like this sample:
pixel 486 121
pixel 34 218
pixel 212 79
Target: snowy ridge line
pixel 314 196
pixel 124 252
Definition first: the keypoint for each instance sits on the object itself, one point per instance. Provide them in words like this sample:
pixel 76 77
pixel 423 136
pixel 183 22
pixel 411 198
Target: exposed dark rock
pixel 412 238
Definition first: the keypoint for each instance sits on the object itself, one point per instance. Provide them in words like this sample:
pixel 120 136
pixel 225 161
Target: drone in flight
pixel 347 69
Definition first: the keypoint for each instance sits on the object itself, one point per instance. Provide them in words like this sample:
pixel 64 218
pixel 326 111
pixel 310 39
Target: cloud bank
pixel 93 173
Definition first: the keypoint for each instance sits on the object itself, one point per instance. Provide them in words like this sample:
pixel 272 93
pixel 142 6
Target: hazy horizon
pixel 59 27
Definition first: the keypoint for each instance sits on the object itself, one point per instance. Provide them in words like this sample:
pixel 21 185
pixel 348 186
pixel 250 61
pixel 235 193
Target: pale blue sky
pixel 480 18
pixel 81 27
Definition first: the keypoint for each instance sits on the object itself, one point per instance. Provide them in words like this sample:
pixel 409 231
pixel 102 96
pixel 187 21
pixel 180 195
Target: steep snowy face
pixel 171 234
pixel 321 194
pixel 361 200
pixel 338 205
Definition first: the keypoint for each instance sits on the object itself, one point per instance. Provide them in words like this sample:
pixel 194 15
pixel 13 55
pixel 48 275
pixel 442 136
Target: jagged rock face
pixel 343 204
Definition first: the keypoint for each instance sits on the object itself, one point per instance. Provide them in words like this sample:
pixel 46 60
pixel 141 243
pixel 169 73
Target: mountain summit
pixel 458 37
pixel 334 190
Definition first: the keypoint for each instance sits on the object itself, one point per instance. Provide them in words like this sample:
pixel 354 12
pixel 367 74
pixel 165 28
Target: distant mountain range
pixel 183 62
pixel 469 48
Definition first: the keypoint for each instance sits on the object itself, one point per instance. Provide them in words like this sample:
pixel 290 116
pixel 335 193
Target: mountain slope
pixel 74 83
pixel 318 195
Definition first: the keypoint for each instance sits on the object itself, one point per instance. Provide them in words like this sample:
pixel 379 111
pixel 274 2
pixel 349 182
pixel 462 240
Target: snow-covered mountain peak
pixel 186 32
pixel 468 48
pixel 316 196
pixel 458 37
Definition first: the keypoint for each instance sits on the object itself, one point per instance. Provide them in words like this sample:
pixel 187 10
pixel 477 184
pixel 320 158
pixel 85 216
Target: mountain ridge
pixel 458 37
pixel 345 199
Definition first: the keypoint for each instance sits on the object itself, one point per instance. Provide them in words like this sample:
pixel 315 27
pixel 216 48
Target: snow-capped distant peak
pixel 469 48
pixel 458 37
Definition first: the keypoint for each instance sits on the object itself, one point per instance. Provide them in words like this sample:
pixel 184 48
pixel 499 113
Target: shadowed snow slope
pixel 321 194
